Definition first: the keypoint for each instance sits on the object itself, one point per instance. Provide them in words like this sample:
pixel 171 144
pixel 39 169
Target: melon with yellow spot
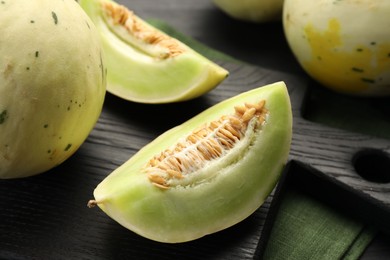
pixel 344 45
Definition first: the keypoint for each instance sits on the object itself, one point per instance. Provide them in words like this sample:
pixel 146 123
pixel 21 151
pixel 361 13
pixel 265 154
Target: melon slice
pixel 146 65
pixel 206 174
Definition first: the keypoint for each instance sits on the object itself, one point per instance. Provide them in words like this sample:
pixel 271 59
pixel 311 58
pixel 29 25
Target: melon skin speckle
pixel 52 84
pixel 206 174
pixel 344 45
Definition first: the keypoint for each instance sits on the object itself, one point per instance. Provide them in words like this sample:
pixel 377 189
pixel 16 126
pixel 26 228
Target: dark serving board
pixel 45 216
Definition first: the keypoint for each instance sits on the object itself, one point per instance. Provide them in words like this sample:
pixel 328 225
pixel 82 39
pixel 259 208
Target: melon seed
pixel 209 142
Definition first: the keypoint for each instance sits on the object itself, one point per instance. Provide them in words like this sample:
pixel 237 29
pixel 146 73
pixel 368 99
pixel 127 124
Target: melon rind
pixel 257 11
pixel 136 76
pixel 52 84
pixel 345 47
pixel 181 214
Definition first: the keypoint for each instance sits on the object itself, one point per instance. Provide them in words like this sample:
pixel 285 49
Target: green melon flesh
pixel 144 72
pixel 229 189
pixel 52 83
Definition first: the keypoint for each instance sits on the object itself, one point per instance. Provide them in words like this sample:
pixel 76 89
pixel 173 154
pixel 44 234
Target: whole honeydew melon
pixel 258 11
pixel 52 83
pixel 344 45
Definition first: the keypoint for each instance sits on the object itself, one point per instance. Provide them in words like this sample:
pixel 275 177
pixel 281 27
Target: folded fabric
pixel 304 227
pixel 307 229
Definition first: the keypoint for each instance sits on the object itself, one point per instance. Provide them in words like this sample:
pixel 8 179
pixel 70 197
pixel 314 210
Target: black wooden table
pixel 54 203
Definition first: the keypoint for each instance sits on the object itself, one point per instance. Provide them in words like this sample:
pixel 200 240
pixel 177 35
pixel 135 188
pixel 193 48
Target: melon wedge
pixel 146 65
pixel 203 176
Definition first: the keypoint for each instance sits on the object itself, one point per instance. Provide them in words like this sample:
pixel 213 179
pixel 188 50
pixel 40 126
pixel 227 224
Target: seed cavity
pixel 139 34
pixel 210 142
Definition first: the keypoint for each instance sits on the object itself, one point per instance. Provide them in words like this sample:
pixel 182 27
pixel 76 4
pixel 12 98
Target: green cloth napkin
pixel 304 227
pixel 307 229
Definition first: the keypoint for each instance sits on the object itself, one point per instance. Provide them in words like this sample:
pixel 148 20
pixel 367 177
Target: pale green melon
pixel 144 64
pixel 171 191
pixel 52 83
pixel 258 11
